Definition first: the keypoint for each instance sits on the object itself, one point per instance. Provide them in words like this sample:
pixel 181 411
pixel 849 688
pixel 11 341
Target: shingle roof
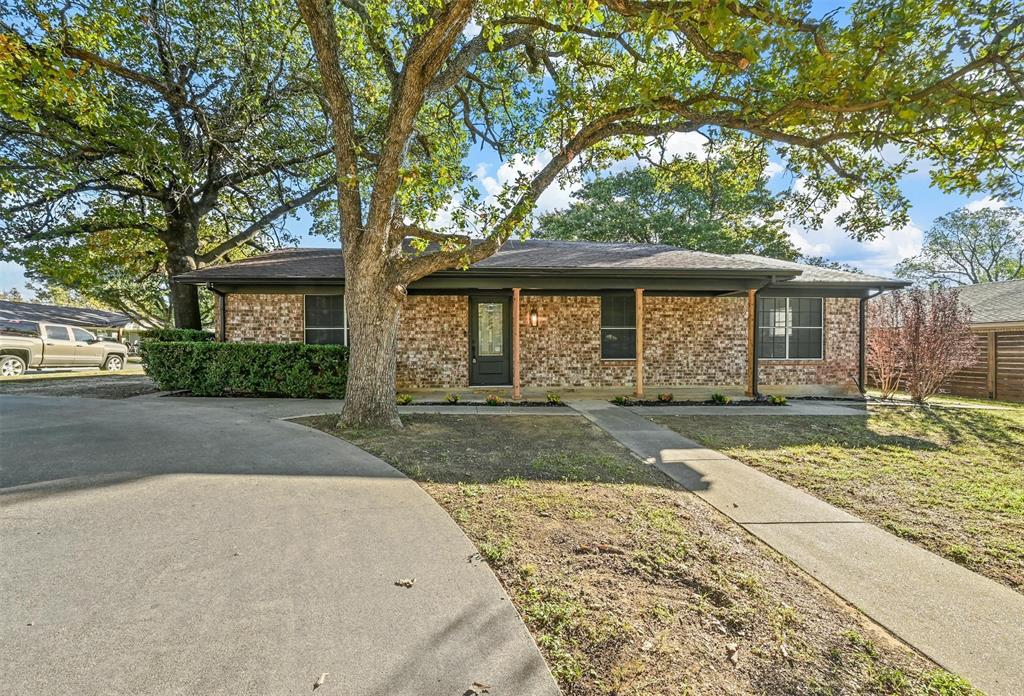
pixel 75 316
pixel 995 302
pixel 538 256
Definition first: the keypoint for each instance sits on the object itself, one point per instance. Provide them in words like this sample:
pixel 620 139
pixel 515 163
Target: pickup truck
pixel 38 344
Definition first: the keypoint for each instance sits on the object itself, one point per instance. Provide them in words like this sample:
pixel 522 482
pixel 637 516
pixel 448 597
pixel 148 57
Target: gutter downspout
pixel 862 365
pixel 223 311
pixel 755 382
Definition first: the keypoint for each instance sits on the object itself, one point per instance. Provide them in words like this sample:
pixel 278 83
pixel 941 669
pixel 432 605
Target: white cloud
pixel 556 196
pixel 986 202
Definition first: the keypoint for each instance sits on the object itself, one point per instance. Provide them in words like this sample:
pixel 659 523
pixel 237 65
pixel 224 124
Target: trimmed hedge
pixel 175 335
pixel 247 369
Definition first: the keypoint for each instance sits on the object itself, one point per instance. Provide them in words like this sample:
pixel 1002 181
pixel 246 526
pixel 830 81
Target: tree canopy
pixel 718 203
pixel 967 247
pixel 140 139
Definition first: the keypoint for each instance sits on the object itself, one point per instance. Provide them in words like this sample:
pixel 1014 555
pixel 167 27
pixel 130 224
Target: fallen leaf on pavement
pixel 405 582
pixel 320 682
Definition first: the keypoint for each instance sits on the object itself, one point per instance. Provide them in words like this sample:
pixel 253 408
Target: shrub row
pixel 247 369
pixel 175 335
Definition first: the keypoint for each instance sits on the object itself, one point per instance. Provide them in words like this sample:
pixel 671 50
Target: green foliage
pixel 494 400
pixel 622 400
pixel 717 203
pixel 721 399
pixel 665 397
pixel 403 399
pixel 176 335
pixel 970 246
pixel 452 398
pixel 247 369
pixel 777 400
pixel 554 399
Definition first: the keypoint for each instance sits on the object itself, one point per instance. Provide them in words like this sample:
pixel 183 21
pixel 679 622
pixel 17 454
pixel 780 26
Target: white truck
pixel 39 344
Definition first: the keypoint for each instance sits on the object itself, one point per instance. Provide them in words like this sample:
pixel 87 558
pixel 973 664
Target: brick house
pixel 542 315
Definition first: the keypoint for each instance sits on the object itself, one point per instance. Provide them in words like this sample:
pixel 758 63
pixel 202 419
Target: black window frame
pixel 618 321
pixel 767 346
pixel 306 328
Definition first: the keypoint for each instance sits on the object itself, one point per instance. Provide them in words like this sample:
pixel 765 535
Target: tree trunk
pixel 373 304
pixel 182 242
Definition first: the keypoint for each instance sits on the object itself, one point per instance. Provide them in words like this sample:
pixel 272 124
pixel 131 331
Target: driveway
pixel 157 547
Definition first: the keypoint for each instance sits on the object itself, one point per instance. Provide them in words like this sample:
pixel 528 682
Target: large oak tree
pixel 565 87
pixel 140 139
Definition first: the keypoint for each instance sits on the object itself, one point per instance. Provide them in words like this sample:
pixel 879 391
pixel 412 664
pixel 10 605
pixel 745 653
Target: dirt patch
pixel 948 479
pixel 109 387
pixel 630 585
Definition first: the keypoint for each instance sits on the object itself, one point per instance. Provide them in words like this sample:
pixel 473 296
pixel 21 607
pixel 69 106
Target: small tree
pixel 921 337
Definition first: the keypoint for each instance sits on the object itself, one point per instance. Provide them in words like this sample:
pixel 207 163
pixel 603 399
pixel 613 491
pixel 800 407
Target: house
pixel 542 315
pixel 997 318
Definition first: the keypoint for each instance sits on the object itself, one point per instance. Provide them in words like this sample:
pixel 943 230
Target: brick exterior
pixel 689 341
pixel 433 342
pixel 837 372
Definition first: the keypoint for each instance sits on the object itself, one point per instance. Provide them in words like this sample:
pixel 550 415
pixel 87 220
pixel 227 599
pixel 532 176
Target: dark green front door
pixel 489 340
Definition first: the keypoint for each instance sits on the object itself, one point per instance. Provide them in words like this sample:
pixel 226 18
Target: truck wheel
pixel 114 362
pixel 11 366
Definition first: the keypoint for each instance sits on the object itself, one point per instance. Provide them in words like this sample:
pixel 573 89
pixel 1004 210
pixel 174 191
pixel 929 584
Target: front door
pixel 488 341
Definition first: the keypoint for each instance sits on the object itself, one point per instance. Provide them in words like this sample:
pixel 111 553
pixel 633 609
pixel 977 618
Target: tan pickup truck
pixel 38 344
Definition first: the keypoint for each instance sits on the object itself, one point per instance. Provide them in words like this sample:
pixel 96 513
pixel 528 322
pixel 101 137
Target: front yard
pixel 949 479
pixel 630 585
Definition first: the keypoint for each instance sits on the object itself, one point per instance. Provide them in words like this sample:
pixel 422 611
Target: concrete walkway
pixel 166 547
pixel 966 623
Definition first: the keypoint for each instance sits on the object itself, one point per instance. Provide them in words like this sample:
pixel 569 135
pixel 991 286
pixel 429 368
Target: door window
pixel 83 335
pixel 58 333
pixel 490 333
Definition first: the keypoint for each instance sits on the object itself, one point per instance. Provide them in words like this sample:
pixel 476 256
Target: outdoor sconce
pixel 533 317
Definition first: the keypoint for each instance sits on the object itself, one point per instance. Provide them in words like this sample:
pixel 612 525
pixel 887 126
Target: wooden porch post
pixel 992 389
pixel 640 343
pixel 751 351
pixel 517 392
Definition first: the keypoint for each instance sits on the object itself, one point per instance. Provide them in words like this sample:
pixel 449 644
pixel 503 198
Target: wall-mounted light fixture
pixel 533 317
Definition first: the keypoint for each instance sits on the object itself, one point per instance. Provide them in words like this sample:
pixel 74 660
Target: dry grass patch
pixel 631 586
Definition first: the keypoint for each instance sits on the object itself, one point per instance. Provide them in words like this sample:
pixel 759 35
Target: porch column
pixel 991 383
pixel 751 345
pixel 639 343
pixel 517 392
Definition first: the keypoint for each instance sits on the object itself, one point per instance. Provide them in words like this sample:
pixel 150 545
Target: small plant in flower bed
pixel 721 399
pixel 777 400
pixel 452 398
pixel 554 399
pixel 494 400
pixel 622 401
pixel 665 397
pixel 403 399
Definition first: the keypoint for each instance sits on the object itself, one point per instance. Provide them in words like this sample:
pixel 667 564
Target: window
pixel 83 335
pixel 490 329
pixel 618 327
pixel 790 328
pixel 325 319
pixel 16 327
pixel 58 333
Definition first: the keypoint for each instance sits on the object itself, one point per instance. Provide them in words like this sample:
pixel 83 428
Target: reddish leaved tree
pixel 918 338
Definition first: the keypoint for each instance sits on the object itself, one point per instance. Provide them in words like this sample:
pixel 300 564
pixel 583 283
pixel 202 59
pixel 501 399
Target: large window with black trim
pixel 790 328
pixel 325 320
pixel 618 327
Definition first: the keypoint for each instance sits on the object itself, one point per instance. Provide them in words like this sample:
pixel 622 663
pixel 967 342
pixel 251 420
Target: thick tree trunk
pixel 182 242
pixel 373 305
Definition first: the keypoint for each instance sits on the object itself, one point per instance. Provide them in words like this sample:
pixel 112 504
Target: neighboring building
pixel 96 320
pixel 997 315
pixel 544 315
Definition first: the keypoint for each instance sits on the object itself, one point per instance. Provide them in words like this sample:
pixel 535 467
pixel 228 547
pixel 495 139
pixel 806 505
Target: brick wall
pixel 269 318
pixel 433 342
pixel 837 372
pixel 695 341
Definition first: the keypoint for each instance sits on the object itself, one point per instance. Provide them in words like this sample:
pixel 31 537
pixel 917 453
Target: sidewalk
pixel 966 623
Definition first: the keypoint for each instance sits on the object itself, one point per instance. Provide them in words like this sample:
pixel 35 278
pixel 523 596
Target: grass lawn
pixel 630 585
pixel 949 479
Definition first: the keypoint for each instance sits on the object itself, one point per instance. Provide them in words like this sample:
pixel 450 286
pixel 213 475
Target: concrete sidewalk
pixel 966 623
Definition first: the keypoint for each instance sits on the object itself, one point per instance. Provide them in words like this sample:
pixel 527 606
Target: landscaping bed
pixel 630 585
pixel 948 479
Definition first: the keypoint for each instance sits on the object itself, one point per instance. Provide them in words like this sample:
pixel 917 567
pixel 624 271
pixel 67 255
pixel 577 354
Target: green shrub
pixel 621 401
pixel 247 369
pixel 494 400
pixel 777 400
pixel 665 397
pixel 403 399
pixel 721 399
pixel 168 335
pixel 452 398
pixel 554 399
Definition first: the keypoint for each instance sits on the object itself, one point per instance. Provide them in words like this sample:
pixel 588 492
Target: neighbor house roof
pixel 76 316
pixel 993 303
pixel 536 257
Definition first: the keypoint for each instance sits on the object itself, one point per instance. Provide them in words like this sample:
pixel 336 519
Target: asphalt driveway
pixel 150 546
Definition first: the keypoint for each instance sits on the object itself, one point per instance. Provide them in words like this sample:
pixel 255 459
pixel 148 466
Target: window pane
pixel 325 336
pixel 805 343
pixel 15 327
pixel 325 311
pixel 82 335
pixel 772 343
pixel 771 311
pixel 58 333
pixel 618 310
pixel 618 344
pixel 806 311
pixel 490 331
